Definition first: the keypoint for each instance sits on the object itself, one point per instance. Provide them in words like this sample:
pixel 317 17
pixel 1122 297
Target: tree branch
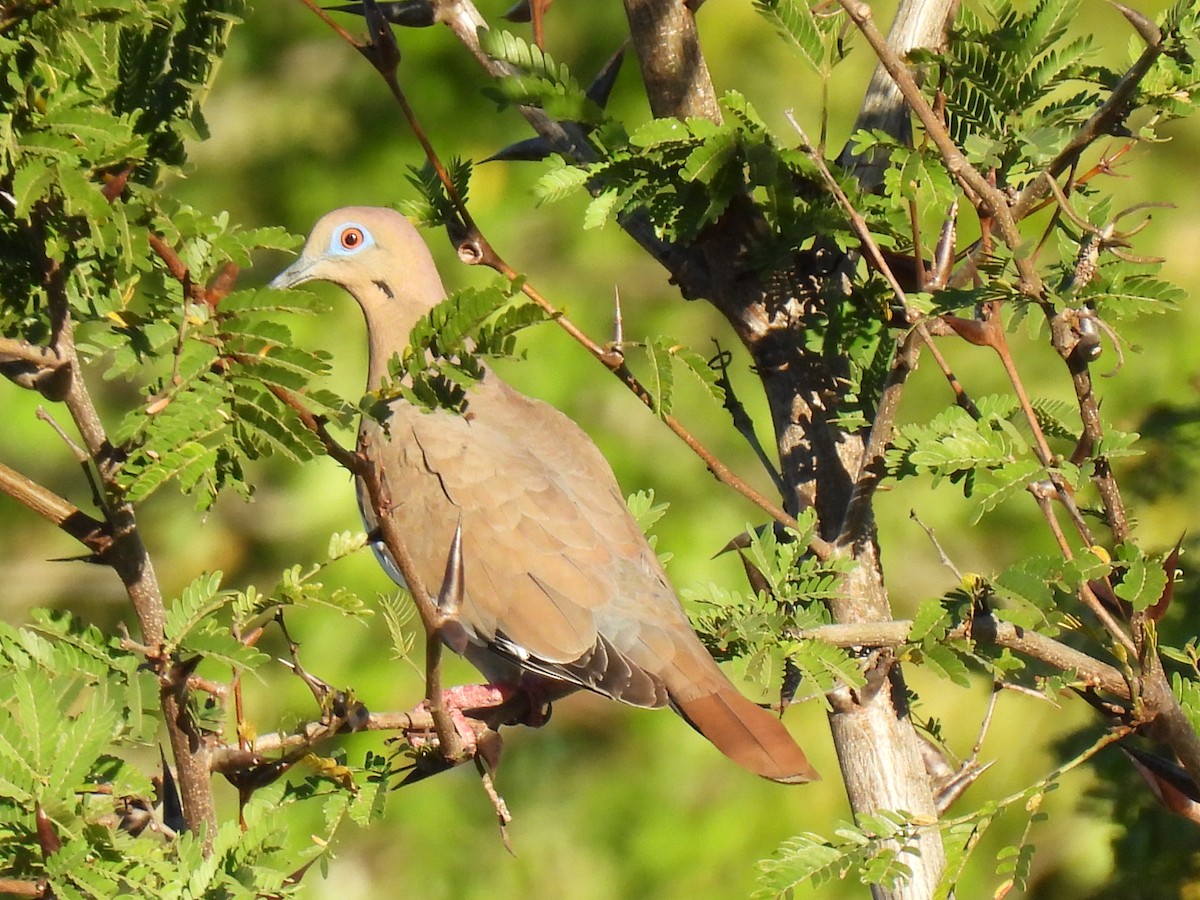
pixel 361 466
pixel 986 628
pixel 673 66
pixel 127 554
pixel 984 193
pixel 12 350
pixel 90 532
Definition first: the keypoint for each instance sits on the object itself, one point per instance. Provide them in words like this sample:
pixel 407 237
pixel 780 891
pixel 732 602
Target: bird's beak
pixel 297 273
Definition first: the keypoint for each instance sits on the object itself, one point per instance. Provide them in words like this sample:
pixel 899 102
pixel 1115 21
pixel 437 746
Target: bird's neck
pixel 391 316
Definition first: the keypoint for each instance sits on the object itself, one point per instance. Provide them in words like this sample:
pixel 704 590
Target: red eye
pixel 352 238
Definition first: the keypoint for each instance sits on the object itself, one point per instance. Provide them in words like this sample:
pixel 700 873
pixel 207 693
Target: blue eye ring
pixel 350 239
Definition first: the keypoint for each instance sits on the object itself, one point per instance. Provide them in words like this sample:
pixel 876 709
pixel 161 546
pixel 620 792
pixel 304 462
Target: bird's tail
pixel 749 735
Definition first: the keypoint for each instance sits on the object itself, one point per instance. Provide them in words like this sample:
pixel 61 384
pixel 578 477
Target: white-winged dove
pixel 561 589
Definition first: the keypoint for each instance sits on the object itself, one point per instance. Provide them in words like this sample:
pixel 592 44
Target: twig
pixel 42 357
pixel 85 462
pixel 987 720
pixel 92 533
pixel 937 546
pixel 742 422
pixel 417 721
pixel 986 628
pixel 956 163
pixel 1110 737
pixel 361 466
pixel 16 887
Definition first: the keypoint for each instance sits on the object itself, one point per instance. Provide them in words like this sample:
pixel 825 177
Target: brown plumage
pixel 561 589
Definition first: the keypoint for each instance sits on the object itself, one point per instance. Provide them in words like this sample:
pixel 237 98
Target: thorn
pixel 943 254
pixel 1169 783
pixel 758 582
pixel 951 789
pixel 601 87
pixel 618 329
pixel 529 150
pixel 450 597
pixel 407 13
pixel 449 600
pixel 172 814
pixel 46 832
pixel 518 12
pixel 383 52
pixel 1143 25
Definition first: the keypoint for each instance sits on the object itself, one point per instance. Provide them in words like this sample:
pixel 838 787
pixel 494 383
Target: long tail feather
pixel 749 735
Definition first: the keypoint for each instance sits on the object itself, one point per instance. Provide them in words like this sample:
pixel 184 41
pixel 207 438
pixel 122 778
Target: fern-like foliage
pixel 1006 77
pixel 813 36
pixel 446 348
pixel 760 627
pixel 74 717
pixel 433 207
pixel 872 851
pixel 539 81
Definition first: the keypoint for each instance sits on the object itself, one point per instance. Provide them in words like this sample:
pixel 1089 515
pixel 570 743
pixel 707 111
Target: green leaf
pixel 604 207
pixel 945 663
pixel 804 858
pixel 214 641
pixel 1003 482
pixel 823 666
pixel 794 20
pixel 707 161
pixel 200 599
pixel 932 620
pixel 559 182
pixel 661 381
pixel 1143 580
pixel 659 131
pixel 699 366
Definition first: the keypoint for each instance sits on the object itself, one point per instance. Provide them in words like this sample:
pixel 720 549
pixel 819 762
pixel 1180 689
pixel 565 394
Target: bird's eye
pixel 348 239
pixel 352 238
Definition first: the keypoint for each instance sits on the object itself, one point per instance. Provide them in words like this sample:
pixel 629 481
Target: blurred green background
pixel 611 802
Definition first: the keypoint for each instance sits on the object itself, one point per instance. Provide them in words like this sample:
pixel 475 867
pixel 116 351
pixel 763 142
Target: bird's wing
pixel 557 575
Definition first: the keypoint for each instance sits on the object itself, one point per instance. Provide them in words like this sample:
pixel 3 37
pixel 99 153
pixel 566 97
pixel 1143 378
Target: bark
pixel 877 746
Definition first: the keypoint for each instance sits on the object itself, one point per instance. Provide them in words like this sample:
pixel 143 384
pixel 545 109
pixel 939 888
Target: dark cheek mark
pixel 383 286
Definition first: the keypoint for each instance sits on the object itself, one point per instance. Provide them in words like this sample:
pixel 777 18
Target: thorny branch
pixel 361 466
pixel 1170 722
pixel 116 541
pixel 474 249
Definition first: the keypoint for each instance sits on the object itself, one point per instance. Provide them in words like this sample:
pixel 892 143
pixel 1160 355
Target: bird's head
pixel 376 255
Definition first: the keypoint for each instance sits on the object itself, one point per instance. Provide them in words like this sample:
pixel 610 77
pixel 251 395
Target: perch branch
pixel 986 628
pixel 360 465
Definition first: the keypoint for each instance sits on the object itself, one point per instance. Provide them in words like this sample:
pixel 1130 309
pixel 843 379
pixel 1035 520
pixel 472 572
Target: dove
pixel 560 590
